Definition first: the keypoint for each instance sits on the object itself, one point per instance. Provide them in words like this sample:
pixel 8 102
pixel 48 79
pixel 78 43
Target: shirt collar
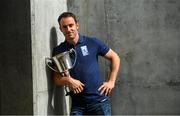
pixel 81 39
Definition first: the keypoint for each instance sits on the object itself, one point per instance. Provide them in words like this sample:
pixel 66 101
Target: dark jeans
pixel 96 108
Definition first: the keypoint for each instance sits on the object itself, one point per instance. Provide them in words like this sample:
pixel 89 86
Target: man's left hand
pixel 106 88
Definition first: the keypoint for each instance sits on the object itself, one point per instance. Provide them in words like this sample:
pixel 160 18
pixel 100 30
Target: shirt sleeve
pixel 102 47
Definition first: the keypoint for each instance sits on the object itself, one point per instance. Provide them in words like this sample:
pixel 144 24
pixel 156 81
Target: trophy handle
pixel 47 61
pixel 75 56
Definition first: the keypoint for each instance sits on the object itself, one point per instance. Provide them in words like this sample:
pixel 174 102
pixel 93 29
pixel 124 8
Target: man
pixel 88 92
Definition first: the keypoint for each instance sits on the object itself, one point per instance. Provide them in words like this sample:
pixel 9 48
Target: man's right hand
pixel 75 85
pixel 65 79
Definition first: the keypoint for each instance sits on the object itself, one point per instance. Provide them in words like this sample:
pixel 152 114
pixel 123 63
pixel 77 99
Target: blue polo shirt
pixel 86 68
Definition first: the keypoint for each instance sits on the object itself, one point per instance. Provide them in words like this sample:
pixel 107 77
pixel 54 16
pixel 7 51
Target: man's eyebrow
pixel 68 25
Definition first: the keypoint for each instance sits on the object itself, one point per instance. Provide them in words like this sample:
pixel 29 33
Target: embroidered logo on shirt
pixel 84 50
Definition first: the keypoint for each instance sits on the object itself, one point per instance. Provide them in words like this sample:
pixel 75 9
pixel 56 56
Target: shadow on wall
pixel 55 94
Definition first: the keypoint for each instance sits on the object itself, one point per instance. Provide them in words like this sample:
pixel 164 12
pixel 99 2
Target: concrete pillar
pixel 45 35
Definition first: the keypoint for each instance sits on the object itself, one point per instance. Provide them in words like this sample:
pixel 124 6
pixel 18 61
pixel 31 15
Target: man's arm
pixel 115 65
pixel 74 85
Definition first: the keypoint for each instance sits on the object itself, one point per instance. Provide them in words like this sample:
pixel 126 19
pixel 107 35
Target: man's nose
pixel 68 28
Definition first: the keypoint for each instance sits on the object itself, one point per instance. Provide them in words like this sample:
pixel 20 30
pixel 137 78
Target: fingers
pixel 78 87
pixel 105 89
pixel 78 90
pixel 108 92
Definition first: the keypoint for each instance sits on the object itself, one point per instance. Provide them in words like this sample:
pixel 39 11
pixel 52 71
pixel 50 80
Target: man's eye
pixel 65 27
pixel 70 25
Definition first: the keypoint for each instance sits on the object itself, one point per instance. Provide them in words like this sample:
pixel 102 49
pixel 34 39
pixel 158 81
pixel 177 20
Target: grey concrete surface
pixel 145 34
pixel 47 98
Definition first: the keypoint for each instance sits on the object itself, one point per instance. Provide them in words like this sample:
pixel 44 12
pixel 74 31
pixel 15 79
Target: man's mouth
pixel 68 33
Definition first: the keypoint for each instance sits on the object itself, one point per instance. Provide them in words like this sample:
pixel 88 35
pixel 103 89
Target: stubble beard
pixel 72 38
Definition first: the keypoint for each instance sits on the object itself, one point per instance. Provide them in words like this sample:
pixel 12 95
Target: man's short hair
pixel 65 15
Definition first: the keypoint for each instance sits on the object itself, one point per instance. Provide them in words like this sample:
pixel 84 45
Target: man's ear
pixel 77 24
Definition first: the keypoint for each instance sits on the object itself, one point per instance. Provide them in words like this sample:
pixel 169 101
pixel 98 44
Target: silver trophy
pixel 63 63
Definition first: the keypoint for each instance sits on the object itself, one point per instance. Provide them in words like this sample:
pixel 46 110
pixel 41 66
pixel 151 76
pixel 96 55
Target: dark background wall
pixel 145 34
pixel 15 58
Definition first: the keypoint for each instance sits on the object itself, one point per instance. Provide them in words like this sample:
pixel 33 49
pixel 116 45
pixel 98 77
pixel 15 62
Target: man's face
pixel 69 28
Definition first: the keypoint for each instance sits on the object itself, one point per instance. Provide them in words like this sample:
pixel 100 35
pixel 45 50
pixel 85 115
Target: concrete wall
pixel 145 34
pixel 45 34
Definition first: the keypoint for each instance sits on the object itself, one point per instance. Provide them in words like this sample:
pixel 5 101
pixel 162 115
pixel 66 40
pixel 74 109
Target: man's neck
pixel 75 40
